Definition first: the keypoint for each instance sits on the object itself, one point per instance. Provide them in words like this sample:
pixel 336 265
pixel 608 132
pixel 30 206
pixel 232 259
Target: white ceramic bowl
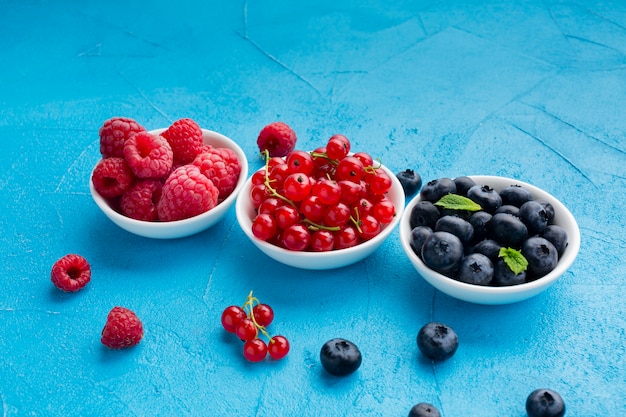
pixel 319 260
pixel 186 227
pixel 497 295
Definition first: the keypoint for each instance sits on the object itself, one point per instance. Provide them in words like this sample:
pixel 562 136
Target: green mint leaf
pixel 514 259
pixel 458 202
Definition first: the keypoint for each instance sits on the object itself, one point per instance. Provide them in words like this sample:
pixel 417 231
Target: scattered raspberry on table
pixel 71 273
pixel 123 329
pixel 277 138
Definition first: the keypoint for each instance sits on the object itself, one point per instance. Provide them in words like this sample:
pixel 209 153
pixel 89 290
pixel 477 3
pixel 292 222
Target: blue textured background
pixel 527 89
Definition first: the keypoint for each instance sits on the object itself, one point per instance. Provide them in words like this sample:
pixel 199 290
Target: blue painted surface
pixel 527 89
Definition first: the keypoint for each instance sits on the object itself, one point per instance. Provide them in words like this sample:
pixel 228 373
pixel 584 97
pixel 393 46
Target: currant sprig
pixel 247 321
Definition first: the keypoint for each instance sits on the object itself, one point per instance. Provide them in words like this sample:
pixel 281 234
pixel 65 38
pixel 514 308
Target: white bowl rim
pixel 493 292
pixel 329 256
pixel 159 227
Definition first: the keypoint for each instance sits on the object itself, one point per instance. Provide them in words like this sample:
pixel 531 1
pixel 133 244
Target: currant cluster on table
pixel 250 321
pixel 322 200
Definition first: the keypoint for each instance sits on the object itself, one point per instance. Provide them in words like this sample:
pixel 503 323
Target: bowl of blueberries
pixel 488 239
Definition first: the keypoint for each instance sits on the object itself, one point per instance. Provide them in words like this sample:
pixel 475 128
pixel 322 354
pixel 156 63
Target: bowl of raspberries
pixel 166 183
pixel 488 239
pixel 320 209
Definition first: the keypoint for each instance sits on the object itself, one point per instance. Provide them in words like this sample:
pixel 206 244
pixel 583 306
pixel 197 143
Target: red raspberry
pixel 114 133
pixel 149 156
pixel 111 177
pixel 123 329
pixel 185 138
pixel 140 200
pixel 186 193
pixel 71 273
pixel 277 138
pixel 222 172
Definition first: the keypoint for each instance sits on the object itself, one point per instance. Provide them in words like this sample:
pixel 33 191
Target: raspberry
pixel 149 156
pixel 114 133
pixel 185 138
pixel 186 193
pixel 222 172
pixel 71 273
pixel 123 329
pixel 140 200
pixel 111 177
pixel 277 138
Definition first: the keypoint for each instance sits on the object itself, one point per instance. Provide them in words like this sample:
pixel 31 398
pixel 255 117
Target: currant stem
pixel 248 307
pixel 357 220
pixel 315 226
pixel 267 181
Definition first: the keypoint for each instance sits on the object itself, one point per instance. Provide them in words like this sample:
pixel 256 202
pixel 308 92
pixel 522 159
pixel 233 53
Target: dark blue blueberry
pixel 507 230
pixel 534 216
pixel 463 184
pixel 457 226
pixel 418 236
pixel 488 198
pixel 557 236
pixel 442 251
pixel 541 255
pixel 475 269
pixel 488 247
pixel 435 189
pixel 424 410
pixel 545 403
pixel 549 208
pixel 508 209
pixel 340 357
pixel 515 195
pixel 479 221
pixel 424 213
pixel 437 341
pixel 410 180
pixel 503 276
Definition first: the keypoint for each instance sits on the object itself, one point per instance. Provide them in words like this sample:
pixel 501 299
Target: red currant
pixel 337 215
pixel 384 211
pixel 346 237
pixel 231 316
pixel 258 177
pixel 278 347
pixel 273 161
pixel 296 237
pixel 263 314
pixel 312 208
pixel 297 187
pixel 269 205
pixel 322 241
pixel 327 190
pixel 277 176
pixel 337 147
pixel 368 227
pixel 255 350
pixel 264 226
pixel 350 192
pixel 286 216
pixel 258 194
pixel 300 162
pixel 365 158
pixel 246 330
pixel 349 169
pixel 379 182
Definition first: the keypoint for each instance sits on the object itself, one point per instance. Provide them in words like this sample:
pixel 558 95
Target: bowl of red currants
pixel 166 183
pixel 320 209
pixel 488 239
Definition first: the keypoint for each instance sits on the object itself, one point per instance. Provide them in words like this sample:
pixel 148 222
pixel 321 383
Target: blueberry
pixel 435 189
pixel 476 269
pixel 488 198
pixel 507 230
pixel 410 180
pixel 508 209
pixel 424 410
pixel 457 226
pixel 442 251
pixel 534 216
pixel 541 256
pixel 437 341
pixel 479 221
pixel 463 184
pixel 488 247
pixel 503 276
pixel 549 208
pixel 424 213
pixel 515 195
pixel 418 236
pixel 340 357
pixel 557 236
pixel 545 403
